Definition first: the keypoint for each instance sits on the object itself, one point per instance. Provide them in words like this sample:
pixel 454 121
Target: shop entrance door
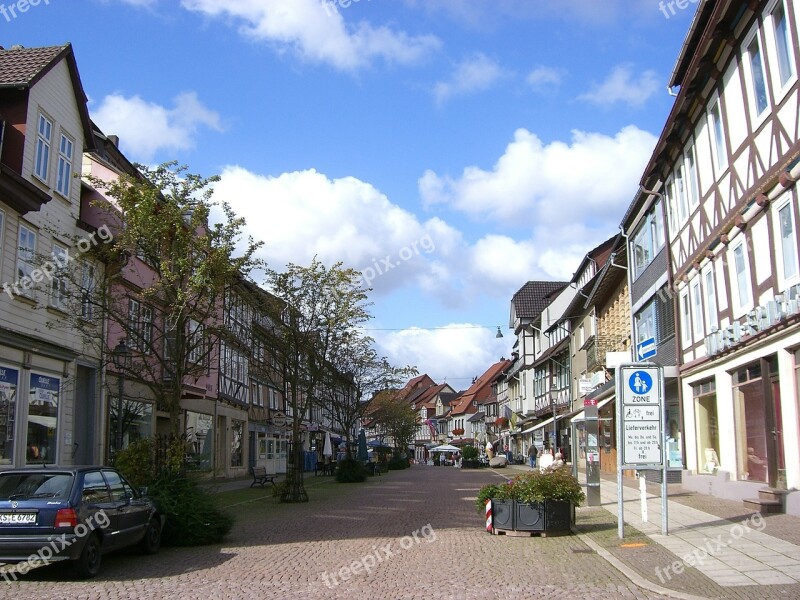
pixel 776 459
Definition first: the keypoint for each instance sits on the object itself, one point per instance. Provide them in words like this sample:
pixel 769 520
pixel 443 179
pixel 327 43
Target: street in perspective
pixel 454 299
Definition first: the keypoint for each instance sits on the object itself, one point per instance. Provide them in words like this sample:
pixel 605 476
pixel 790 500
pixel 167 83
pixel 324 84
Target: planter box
pixel 529 517
pixel 503 513
pixel 549 516
pixel 470 464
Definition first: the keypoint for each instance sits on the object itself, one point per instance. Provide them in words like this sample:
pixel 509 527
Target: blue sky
pixel 450 149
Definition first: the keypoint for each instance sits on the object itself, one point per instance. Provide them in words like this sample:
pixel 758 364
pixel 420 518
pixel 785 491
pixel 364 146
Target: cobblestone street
pixel 290 551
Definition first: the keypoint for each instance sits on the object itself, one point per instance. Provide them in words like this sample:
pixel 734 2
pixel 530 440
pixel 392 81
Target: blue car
pixel 50 514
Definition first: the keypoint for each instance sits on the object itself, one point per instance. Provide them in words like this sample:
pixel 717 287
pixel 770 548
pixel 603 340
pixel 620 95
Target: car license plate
pixel 14 518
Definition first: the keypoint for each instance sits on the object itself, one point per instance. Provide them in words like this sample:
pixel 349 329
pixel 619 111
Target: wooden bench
pixel 260 476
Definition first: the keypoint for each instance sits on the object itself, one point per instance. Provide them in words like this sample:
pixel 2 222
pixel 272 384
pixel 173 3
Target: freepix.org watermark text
pixel 711 547
pixel 14 9
pixel 367 563
pixel 384 265
pixel 57 263
pixel 45 554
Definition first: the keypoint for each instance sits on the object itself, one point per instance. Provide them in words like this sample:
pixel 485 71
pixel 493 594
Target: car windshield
pixel 25 486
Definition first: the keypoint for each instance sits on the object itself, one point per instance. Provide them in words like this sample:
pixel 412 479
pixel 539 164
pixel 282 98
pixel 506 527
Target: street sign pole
pixel 665 459
pixel 641 435
pixel 620 487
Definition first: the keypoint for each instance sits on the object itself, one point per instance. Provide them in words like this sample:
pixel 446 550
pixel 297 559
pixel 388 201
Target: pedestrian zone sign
pixel 640 411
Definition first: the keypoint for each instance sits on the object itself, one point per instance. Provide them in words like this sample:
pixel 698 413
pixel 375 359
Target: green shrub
pixel 397 463
pixel 192 517
pixel 470 453
pixel 350 471
pixel 551 484
pixel 136 462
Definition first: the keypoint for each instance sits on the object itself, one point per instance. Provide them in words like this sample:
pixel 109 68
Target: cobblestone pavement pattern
pixel 287 551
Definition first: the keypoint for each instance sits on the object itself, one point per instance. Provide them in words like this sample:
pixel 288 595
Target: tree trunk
pixel 294 489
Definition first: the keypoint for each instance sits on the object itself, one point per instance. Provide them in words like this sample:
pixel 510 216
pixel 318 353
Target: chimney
pixel 114 139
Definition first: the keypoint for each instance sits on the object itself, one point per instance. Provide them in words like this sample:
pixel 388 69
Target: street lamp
pixel 121 355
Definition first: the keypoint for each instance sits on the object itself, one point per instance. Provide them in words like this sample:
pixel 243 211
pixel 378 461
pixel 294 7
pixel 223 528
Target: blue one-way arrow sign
pixel 646 349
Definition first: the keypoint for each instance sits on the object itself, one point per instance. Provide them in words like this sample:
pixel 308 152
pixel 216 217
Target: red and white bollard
pixel 489 526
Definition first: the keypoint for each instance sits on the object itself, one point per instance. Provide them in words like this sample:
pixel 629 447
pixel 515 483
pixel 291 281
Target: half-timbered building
pixel 725 168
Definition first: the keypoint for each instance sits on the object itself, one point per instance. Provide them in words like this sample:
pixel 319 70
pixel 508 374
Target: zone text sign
pixel 641 415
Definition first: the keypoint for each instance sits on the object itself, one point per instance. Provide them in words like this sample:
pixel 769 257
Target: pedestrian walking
pixel 532 452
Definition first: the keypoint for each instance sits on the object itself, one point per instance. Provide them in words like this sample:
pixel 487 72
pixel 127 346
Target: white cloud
pixel 474 74
pixel 317 32
pixel 305 214
pixel 568 196
pixel 146 128
pixel 551 185
pixel 622 86
pixel 459 350
pixel 542 78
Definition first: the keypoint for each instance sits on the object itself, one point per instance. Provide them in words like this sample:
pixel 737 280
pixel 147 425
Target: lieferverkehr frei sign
pixel 641 416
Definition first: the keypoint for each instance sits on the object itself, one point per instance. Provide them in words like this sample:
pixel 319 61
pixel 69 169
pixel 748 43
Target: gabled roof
pixel 481 388
pixel 533 297
pixel 22 68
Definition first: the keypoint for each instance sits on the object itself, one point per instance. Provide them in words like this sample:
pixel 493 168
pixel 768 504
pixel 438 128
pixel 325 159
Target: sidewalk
pixel 714 548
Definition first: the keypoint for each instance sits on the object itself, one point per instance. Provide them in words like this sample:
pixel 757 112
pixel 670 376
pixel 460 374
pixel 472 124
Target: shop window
pixel 706 426
pixel 237 443
pixel 42 418
pixel 200 441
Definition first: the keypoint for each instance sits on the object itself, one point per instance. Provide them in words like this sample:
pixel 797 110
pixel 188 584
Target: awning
pixel 539 425
pixel 49 422
pixel 581 416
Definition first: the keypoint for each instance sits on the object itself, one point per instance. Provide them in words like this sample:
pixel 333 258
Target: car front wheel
pixel 151 541
pixel 87 564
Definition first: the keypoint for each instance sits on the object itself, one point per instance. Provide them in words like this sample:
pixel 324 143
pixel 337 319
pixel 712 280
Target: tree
pixel 397 419
pixel 356 370
pixel 318 308
pixel 165 274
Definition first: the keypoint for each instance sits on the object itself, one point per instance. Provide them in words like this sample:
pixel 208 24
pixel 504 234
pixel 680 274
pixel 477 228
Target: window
pixel 711 299
pixel 648 240
pixel 717 136
pixel 692 189
pixel 140 325
pixel 697 309
pixel 64 180
pixel 274 398
pixel 58 282
pixel 680 195
pixel 26 253
pixel 646 323
pixel 786 242
pixel 783 44
pixel 87 290
pixel 237 442
pixel 118 491
pixel 44 133
pixel 741 273
pixel 686 323
pixel 94 488
pixel 707 427
pixel 755 65
pixel 196 342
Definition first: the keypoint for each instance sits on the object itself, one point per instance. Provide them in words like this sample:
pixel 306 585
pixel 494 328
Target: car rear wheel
pixel 151 541
pixel 87 564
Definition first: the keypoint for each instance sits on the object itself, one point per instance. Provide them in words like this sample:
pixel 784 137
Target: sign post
pixel 641 443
